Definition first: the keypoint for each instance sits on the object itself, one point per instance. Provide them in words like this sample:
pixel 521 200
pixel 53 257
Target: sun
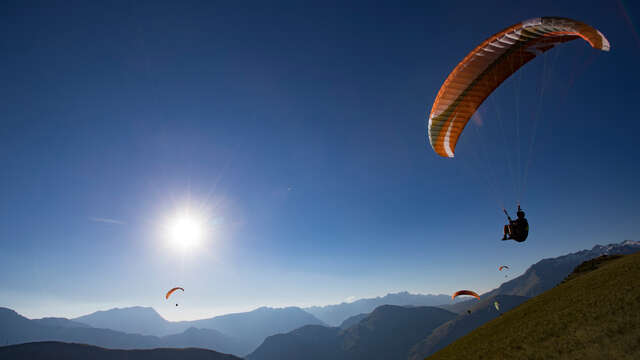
pixel 185 231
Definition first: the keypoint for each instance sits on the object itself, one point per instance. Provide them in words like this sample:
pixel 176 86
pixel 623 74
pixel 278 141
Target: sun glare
pixel 186 232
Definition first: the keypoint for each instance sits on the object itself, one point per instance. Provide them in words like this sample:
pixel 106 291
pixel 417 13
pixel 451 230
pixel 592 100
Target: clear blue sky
pixel 298 129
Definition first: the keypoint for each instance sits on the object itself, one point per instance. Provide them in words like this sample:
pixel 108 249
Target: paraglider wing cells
pixel 491 63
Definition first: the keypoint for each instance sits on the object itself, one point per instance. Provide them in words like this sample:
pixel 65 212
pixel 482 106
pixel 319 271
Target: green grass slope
pixel 595 315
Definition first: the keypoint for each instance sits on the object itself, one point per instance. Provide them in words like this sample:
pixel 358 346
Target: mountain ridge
pixel 335 314
pixel 48 350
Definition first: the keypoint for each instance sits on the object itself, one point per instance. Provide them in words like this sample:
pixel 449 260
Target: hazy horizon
pixel 205 313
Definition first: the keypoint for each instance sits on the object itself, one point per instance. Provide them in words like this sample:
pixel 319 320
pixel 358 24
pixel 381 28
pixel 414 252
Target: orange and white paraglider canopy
pixel 172 291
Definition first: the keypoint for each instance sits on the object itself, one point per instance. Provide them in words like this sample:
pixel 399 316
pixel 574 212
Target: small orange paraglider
pixel 171 292
pixel 502 267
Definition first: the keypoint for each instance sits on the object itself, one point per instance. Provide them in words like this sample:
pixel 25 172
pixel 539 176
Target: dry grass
pixel 594 316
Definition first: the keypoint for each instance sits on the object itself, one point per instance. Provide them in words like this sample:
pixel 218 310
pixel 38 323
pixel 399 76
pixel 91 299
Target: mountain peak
pixel 140 310
pixel 135 308
pixel 134 319
pixel 7 311
pixel 269 308
pixel 615 245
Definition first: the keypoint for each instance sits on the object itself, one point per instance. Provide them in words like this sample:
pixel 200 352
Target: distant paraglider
pixel 504 267
pixel 465 292
pixel 171 292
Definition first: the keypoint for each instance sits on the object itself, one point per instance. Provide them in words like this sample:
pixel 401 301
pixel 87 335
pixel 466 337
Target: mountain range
pixel 333 315
pixel 360 329
pixel 388 333
pixel 17 329
pixel 243 331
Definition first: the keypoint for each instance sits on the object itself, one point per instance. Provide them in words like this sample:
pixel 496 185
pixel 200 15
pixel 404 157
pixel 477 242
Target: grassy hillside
pixel 595 315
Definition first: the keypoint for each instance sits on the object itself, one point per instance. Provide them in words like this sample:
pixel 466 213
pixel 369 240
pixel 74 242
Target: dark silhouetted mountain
pixel 16 329
pixel 134 320
pixel 336 314
pixel 64 351
pixel 59 322
pixel 547 273
pixel 450 331
pixel 254 326
pixel 349 322
pixel 387 333
pixel 311 342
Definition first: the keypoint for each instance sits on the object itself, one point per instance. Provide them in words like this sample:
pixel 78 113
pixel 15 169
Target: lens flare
pixel 185 231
